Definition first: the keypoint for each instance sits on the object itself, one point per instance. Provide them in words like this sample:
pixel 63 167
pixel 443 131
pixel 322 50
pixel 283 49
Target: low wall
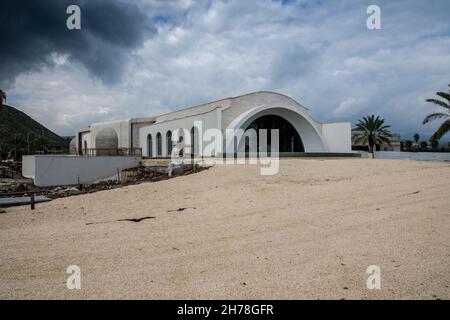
pixel 53 170
pixel 422 156
pixel 151 162
pixel 28 166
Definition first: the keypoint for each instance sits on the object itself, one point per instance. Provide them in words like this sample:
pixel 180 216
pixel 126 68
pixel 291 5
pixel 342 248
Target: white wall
pixel 53 170
pixel 28 166
pixel 423 156
pixel 337 136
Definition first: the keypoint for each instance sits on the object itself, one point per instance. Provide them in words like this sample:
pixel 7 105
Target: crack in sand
pixel 118 220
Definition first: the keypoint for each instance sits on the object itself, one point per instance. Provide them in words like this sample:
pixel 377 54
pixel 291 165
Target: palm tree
pixel 2 98
pixel 445 127
pixel 416 139
pixel 371 130
pixel 434 144
pixel 408 145
pixel 424 145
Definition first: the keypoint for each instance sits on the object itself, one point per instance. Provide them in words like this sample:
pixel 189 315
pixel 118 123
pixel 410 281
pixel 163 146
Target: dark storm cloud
pixel 32 30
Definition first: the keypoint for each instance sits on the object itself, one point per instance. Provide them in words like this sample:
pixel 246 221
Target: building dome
pixel 106 138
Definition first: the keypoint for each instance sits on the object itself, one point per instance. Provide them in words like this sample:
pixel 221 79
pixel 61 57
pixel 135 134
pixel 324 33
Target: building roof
pixel 201 108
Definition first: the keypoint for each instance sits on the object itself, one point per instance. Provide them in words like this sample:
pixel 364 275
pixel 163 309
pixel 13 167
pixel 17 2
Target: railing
pixel 31 194
pixel 95 152
pixel 12 165
pixel 6 172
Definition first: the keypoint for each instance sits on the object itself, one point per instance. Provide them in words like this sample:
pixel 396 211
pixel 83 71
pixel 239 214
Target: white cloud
pixel 319 53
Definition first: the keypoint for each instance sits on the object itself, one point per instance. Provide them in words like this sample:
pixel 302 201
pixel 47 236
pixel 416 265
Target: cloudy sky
pixel 146 57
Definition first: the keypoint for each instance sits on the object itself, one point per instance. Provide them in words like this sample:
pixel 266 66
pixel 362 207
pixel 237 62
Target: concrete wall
pixel 53 170
pixel 337 136
pixel 423 156
pixel 28 166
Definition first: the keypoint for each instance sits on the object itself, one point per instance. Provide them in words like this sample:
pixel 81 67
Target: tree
pixel 371 130
pixel 40 143
pixel 2 98
pixel 18 144
pixel 408 145
pixel 445 126
pixel 423 145
pixel 416 139
pixel 434 144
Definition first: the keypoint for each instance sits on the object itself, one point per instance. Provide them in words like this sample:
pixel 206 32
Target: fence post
pixel 32 200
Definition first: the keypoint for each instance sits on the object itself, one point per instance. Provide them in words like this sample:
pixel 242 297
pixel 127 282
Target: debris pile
pixel 127 177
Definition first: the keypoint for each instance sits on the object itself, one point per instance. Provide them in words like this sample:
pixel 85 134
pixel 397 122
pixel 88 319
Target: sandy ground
pixel 308 232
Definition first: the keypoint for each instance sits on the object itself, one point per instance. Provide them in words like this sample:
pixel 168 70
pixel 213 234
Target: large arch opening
pixel 289 138
pixel 294 121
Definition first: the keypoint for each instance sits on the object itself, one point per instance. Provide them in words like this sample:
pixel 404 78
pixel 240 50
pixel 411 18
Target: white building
pixel 298 132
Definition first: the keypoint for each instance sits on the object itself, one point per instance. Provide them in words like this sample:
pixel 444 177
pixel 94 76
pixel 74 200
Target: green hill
pixel 16 127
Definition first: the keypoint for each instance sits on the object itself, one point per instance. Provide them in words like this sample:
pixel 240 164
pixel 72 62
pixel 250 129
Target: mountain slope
pixel 15 126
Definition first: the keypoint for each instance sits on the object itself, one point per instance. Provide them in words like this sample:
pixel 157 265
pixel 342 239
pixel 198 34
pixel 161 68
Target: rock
pixel 175 169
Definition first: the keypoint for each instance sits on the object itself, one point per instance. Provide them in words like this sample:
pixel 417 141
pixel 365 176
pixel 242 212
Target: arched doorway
pixel 158 145
pixel 169 143
pixel 289 139
pixel 150 145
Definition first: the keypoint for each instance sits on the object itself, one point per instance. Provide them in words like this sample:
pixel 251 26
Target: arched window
pixel 158 144
pixel 150 145
pixel 169 143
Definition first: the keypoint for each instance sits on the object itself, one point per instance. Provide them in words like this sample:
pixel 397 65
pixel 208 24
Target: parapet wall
pixel 54 170
pixel 422 156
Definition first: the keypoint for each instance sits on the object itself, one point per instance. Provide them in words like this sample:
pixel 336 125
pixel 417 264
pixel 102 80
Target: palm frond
pixel 383 139
pixel 443 129
pixel 385 133
pixel 434 116
pixel 361 139
pixel 444 95
pixel 439 103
